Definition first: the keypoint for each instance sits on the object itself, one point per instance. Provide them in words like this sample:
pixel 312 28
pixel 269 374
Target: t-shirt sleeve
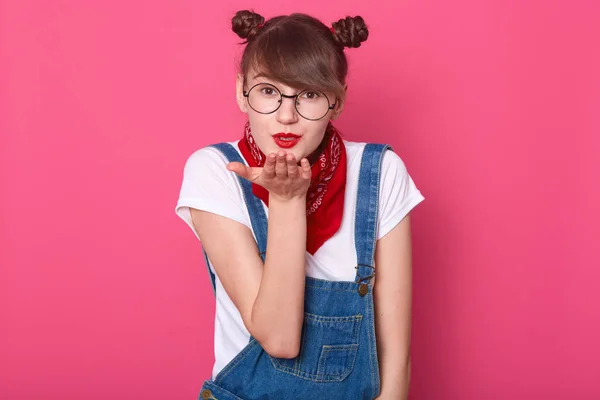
pixel 208 186
pixel 398 194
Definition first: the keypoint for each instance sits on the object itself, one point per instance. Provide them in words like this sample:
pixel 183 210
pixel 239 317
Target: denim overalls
pixel 338 353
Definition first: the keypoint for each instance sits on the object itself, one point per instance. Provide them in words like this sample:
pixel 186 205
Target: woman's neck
pixel 314 156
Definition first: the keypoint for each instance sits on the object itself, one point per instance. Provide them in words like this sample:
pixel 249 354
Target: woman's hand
pixel 281 175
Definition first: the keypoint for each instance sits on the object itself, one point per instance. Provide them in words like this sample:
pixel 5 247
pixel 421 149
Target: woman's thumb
pixel 238 168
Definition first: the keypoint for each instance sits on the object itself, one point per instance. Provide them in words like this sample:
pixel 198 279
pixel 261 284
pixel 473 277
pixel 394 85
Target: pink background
pixel 493 105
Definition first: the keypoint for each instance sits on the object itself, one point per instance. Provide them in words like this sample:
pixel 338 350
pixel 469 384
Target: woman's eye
pixel 268 91
pixel 310 95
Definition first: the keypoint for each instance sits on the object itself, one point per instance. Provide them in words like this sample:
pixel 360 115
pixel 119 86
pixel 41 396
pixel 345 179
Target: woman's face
pixel 286 120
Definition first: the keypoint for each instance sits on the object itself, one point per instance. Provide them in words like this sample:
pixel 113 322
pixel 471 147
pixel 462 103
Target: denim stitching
pixel 323 318
pixel 377 183
pixel 372 347
pixel 375 378
pixel 356 320
pixel 334 289
pixel 351 350
pixel 370 307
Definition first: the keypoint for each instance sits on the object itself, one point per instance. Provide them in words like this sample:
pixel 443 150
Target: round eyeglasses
pixel 311 104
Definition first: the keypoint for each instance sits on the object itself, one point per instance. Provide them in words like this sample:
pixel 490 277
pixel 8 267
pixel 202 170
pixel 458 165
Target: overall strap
pixel 367 205
pixel 258 218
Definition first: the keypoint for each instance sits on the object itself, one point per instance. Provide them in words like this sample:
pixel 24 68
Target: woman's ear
pixel 239 89
pixel 339 106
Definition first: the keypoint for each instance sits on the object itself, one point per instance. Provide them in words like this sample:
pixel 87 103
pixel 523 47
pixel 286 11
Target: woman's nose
pixel 287 114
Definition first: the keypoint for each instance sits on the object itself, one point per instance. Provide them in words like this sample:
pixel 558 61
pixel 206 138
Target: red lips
pixel 286 135
pixel 286 140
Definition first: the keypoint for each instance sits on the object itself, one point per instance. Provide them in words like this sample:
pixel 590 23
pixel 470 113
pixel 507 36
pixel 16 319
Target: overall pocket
pixel 328 349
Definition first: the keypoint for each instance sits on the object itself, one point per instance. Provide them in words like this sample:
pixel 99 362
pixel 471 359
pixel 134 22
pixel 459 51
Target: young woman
pixel 296 223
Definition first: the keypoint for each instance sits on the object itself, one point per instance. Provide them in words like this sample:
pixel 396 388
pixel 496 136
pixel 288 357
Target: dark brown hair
pixel 299 50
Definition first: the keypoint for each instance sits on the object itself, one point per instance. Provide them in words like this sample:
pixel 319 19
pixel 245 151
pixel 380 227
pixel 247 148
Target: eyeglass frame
pixel 246 94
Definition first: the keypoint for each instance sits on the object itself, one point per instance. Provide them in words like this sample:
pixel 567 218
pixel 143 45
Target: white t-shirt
pixel 208 186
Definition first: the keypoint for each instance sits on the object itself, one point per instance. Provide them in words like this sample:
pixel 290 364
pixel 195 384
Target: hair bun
pixel 246 23
pixel 350 31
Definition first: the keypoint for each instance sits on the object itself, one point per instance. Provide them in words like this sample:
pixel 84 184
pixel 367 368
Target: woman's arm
pixel 279 304
pixel 269 297
pixel 393 302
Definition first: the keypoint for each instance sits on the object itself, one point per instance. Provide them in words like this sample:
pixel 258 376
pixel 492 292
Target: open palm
pixel 281 175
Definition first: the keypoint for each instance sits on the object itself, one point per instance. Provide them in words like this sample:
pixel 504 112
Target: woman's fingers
pixel 281 165
pixel 269 168
pixel 292 166
pixel 305 167
pixel 280 168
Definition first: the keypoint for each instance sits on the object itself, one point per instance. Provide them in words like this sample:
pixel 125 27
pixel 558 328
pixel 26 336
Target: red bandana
pixel 325 197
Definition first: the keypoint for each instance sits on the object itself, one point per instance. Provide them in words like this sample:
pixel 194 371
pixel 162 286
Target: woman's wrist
pixel 292 200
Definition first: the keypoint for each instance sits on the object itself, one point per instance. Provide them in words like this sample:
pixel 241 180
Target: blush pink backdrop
pixel 494 107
